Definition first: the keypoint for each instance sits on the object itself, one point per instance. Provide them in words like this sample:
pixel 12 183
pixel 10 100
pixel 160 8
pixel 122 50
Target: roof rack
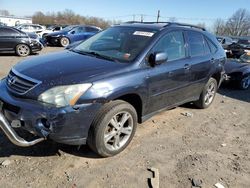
pixel 170 23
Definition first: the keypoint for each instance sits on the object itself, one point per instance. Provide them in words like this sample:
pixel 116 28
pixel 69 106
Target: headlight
pixel 64 95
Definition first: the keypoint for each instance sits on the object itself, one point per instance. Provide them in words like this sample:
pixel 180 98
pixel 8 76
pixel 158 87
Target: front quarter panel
pixel 131 82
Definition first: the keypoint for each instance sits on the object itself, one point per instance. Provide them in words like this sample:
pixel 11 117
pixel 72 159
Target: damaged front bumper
pixel 13 136
pixel 66 125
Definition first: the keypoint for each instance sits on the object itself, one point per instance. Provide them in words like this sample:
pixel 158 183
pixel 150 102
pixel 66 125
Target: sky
pixel 189 11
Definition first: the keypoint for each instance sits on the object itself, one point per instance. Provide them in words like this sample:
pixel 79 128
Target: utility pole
pixel 141 17
pixel 133 17
pixel 158 16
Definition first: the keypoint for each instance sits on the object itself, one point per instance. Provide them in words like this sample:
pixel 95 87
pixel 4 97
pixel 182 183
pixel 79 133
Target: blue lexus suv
pixel 97 92
pixel 70 34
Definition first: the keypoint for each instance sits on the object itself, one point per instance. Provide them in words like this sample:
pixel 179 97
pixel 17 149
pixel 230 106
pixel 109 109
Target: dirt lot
pixel 212 145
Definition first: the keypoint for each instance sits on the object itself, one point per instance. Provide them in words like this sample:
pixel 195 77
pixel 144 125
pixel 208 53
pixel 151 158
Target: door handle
pixel 187 67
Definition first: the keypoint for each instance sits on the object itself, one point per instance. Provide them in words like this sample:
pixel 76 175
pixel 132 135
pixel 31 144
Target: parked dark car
pixel 14 40
pixel 71 34
pixel 98 91
pixel 233 49
pixel 238 71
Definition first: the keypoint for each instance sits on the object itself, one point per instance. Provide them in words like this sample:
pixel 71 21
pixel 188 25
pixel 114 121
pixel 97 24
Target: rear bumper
pixel 36 46
pixel 64 125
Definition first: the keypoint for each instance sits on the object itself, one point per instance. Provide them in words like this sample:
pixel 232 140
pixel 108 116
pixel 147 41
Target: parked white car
pixel 29 28
pixel 50 29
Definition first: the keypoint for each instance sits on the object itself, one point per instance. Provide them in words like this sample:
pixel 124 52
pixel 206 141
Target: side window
pixel 196 45
pixel 57 29
pixel 79 30
pixel 212 46
pixel 91 29
pixel 173 44
pixel 206 46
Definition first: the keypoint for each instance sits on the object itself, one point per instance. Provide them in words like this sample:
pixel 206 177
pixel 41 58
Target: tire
pixel 207 95
pixel 108 136
pixel 245 82
pixel 23 50
pixel 64 41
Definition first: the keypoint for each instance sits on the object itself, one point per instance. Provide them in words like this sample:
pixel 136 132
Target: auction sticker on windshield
pixel 143 33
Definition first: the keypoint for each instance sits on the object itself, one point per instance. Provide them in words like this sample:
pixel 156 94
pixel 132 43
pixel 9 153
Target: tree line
pixel 68 17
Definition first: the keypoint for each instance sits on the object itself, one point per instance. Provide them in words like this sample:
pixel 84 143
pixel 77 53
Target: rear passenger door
pixel 167 82
pixel 201 60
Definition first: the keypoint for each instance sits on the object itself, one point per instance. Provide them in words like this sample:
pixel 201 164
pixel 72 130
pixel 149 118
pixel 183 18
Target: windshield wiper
pixel 92 53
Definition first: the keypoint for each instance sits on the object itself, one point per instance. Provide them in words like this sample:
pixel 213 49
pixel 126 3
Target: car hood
pixel 235 66
pixel 66 68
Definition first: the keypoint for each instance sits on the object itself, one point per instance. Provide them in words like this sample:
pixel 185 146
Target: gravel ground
pixel 185 143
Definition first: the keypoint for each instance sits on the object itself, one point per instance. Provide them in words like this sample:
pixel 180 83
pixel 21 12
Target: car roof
pixel 160 25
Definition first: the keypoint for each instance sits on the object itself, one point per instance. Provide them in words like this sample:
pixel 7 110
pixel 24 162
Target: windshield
pixel 123 44
pixel 68 28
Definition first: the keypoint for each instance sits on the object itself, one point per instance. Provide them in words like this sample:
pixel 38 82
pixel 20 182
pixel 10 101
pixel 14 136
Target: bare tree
pixel 4 13
pixel 239 23
pixel 219 27
pixel 172 19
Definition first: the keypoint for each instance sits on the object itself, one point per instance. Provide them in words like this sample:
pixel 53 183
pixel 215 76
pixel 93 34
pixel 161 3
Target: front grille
pixel 20 84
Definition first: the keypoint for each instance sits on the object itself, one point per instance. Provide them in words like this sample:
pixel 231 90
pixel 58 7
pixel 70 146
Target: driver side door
pixel 167 82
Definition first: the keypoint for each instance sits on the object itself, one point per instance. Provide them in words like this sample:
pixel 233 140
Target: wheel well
pixel 217 77
pixel 135 101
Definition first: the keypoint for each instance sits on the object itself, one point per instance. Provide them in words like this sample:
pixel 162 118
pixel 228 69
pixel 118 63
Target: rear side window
pixel 196 44
pixel 91 29
pixel 212 46
pixel 173 44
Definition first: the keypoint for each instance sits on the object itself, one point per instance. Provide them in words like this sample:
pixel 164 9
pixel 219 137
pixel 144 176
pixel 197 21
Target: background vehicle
pixel 238 71
pixel 71 34
pixel 29 28
pixel 97 92
pixel 14 40
pixel 50 29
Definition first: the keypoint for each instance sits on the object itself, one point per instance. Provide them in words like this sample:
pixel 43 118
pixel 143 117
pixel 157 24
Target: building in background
pixel 14 21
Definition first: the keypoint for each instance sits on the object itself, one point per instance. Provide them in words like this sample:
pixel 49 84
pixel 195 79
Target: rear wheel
pixel 113 128
pixel 22 50
pixel 64 41
pixel 208 94
pixel 245 82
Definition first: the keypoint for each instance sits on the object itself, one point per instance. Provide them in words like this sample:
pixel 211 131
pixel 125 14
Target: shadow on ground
pixel 234 93
pixel 43 149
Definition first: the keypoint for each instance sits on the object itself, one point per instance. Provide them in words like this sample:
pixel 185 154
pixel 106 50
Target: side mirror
pixel 73 32
pixel 157 58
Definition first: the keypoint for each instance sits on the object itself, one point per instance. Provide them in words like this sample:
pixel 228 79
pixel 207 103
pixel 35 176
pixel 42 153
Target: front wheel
pixel 113 128
pixel 208 94
pixel 245 82
pixel 64 41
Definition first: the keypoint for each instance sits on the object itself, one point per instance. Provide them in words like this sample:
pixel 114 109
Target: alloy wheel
pixel 210 93
pixel 23 50
pixel 118 131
